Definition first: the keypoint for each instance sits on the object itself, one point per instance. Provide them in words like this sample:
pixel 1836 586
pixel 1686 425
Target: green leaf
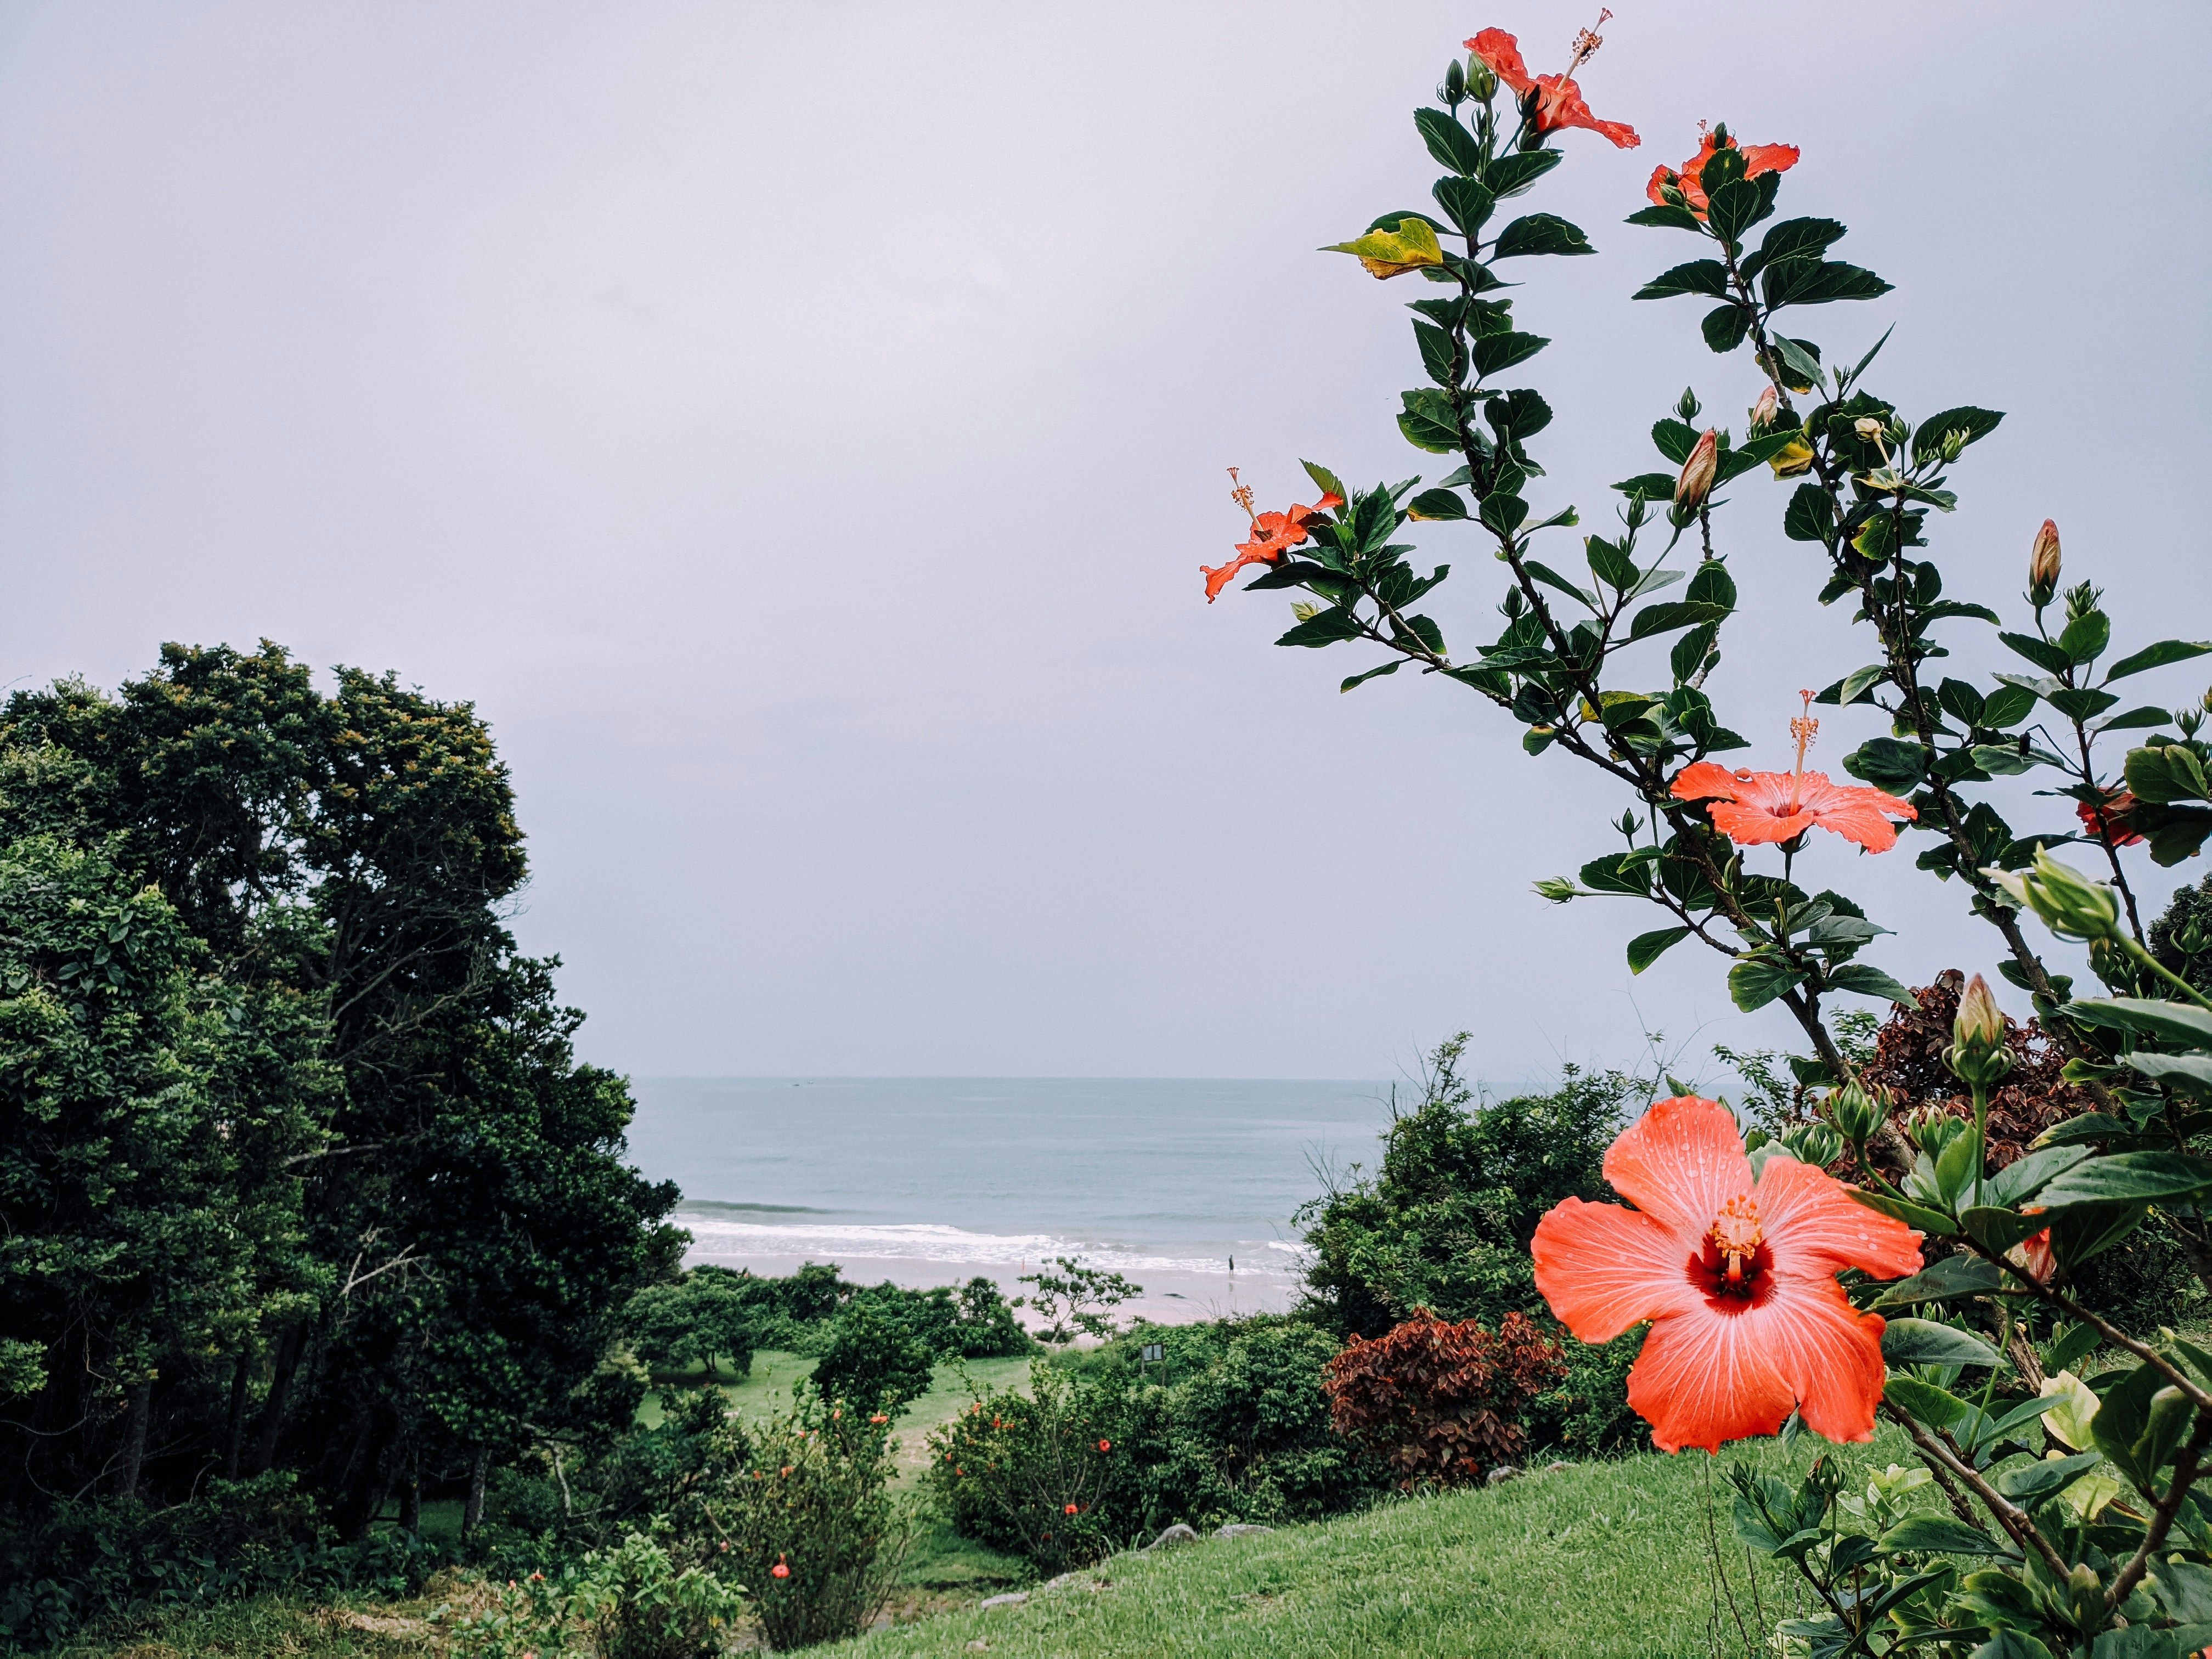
pixel 2156 656
pixel 1925 1401
pixel 2169 1022
pixel 1540 233
pixel 2165 773
pixel 1934 1223
pixel 1707 276
pixel 1943 1535
pixel 2079 702
pixel 1495 352
pixel 1975 423
pixel 1869 981
pixel 1755 982
pixel 1513 172
pixel 2136 720
pixel 2045 654
pixel 1811 514
pixel 1390 667
pixel 2130 1178
pixel 1664 215
pixel 1725 326
pixel 1324 628
pixel 1467 203
pixel 1652 486
pixel 1923 1342
pixel 1451 144
pixel 1433 505
pixel 1818 282
pixel 2190 1073
pixel 2038 1480
pixel 1734 207
pixel 2085 637
pixel 1521 413
pixel 1647 948
pixel 1428 422
pixel 1665 618
pixel 1862 680
pixel 2008 706
pixel 1802 359
pixel 1440 354
pixel 1330 483
pixel 1953 1276
pixel 1674 439
pixel 1995 1228
pixel 1795 239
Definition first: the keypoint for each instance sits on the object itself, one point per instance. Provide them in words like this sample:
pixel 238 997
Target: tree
pixel 874 1362
pixel 701 1318
pixel 1073 1297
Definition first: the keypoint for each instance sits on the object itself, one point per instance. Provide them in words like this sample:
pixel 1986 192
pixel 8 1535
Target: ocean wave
pixel 716 1238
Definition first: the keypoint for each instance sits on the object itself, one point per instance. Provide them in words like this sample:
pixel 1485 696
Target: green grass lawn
pixel 1598 1561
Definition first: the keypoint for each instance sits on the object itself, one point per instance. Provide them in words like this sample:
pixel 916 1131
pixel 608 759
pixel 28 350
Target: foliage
pixel 800 1508
pixel 1074 1298
pixel 2101 1548
pixel 701 1318
pixel 874 1362
pixel 632 1602
pixel 1444 1220
pixel 1033 1473
pixel 1442 1402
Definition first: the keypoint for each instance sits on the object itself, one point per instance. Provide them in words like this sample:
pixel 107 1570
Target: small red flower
pixel 1105 1445
pixel 1070 1510
pixel 1753 808
pixel 2110 820
pixel 779 1570
pixel 879 1418
pixel 1757 159
pixel 1273 534
pixel 1557 100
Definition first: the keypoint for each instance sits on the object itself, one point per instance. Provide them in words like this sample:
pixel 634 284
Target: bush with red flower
pixel 1937 1284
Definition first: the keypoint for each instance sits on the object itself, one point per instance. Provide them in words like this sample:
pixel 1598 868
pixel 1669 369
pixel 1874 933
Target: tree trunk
pixel 280 1385
pixel 234 1434
pixel 411 1493
pixel 472 1512
pixel 134 1439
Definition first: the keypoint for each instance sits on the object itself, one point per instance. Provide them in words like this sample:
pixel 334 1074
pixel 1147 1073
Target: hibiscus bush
pixel 1871 1259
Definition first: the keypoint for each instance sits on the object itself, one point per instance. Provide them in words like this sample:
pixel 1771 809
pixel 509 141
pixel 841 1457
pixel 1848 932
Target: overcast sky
pixel 798 429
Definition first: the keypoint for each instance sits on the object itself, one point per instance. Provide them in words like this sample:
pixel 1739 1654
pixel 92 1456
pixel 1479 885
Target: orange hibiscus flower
pixel 1737 1277
pixel 1753 808
pixel 1273 534
pixel 1757 159
pixel 1558 100
pixel 2111 818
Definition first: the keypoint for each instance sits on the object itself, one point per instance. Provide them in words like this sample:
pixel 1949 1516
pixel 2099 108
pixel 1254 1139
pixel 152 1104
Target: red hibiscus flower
pixel 1558 101
pixel 1737 1278
pixel 1273 534
pixel 1751 808
pixel 1757 159
pixel 2110 819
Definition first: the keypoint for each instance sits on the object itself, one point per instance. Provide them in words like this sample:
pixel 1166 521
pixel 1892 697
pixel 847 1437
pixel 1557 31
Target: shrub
pixel 1035 1475
pixel 703 1317
pixel 632 1602
pixel 1440 1402
pixel 801 1510
pixel 874 1362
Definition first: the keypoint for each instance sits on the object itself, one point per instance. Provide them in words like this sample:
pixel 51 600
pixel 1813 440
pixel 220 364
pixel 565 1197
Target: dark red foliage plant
pixel 1439 1401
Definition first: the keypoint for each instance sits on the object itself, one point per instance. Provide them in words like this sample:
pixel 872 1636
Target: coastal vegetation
pixel 314 1224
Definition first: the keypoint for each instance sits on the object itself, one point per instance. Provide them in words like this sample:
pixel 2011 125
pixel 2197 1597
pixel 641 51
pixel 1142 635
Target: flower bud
pixel 1954 445
pixel 1557 888
pixel 1855 1112
pixel 1454 89
pixel 1763 411
pixel 1481 82
pixel 1697 480
pixel 1978 1053
pixel 1869 430
pixel 1815 1144
pixel 2043 566
pixel 2064 899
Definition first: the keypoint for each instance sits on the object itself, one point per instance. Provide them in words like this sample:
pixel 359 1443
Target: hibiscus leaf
pixel 1324 628
pixel 1969 422
pixel 1942 1535
pixel 1707 276
pixel 1510 174
pixel 1818 282
pixel 1811 516
pixel 2190 1073
pixel 1869 981
pixel 1665 618
pixel 1925 1401
pixel 2136 720
pixel 1451 144
pixel 2169 1022
pixel 1390 667
pixel 1934 1223
pixel 1755 982
pixel 1496 352
pixel 1666 216
pixel 1328 480
pixel 1432 504
pixel 1953 1276
pixel 1925 1342
pixel 1647 948
pixel 2156 656
pixel 2008 706
pixel 1725 326
pixel 2129 1178
pixel 2080 702
pixel 1540 232
pixel 2026 1485
pixel 2044 653
pixel 1428 422
pixel 1802 359
pixel 1808 238
pixel 1466 201
pixel 1734 207
pixel 1674 439
pixel 1652 486
pixel 1995 1228
pixel 1617 874
pixel 1860 681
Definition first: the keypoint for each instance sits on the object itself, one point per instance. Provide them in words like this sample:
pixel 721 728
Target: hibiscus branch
pixel 2112 1334
pixel 2016 1521
pixel 2162 1517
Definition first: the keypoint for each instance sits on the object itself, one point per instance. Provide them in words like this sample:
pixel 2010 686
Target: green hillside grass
pixel 1606 1560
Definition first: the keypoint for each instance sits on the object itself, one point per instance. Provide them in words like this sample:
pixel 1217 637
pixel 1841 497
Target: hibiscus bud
pixel 2043 566
pixel 1978 1054
pixel 1815 1144
pixel 1481 82
pixel 1697 480
pixel 1763 411
pixel 1954 445
pixel 1868 428
pixel 1855 1112
pixel 1454 90
pixel 2064 899
pixel 1557 888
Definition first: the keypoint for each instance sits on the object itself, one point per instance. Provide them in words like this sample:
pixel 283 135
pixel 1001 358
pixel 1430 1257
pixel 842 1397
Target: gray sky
pixel 798 428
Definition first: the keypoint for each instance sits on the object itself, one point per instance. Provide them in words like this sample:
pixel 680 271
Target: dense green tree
pixel 874 1361
pixel 701 1319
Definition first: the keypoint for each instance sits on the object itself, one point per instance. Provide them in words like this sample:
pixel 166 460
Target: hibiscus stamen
pixel 1587 41
pixel 1737 1237
pixel 1241 495
pixel 1804 728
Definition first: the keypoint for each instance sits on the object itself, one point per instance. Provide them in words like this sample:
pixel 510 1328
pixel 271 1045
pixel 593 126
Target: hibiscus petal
pixel 1828 1352
pixel 1706 1377
pixel 1705 780
pixel 1502 53
pixel 1604 1268
pixel 1768 158
pixel 1814 1229
pixel 1862 824
pixel 1679 1163
pixel 1754 826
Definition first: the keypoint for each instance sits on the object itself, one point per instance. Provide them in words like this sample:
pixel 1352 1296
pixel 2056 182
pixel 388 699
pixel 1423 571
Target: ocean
pixel 931 1181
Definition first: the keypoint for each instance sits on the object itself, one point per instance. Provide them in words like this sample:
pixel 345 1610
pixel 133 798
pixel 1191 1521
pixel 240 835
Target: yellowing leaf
pixel 1387 253
pixel 2070 1421
pixel 1793 459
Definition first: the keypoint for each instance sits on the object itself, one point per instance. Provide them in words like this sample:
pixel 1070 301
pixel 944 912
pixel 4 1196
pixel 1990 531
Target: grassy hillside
pixel 1600 1561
